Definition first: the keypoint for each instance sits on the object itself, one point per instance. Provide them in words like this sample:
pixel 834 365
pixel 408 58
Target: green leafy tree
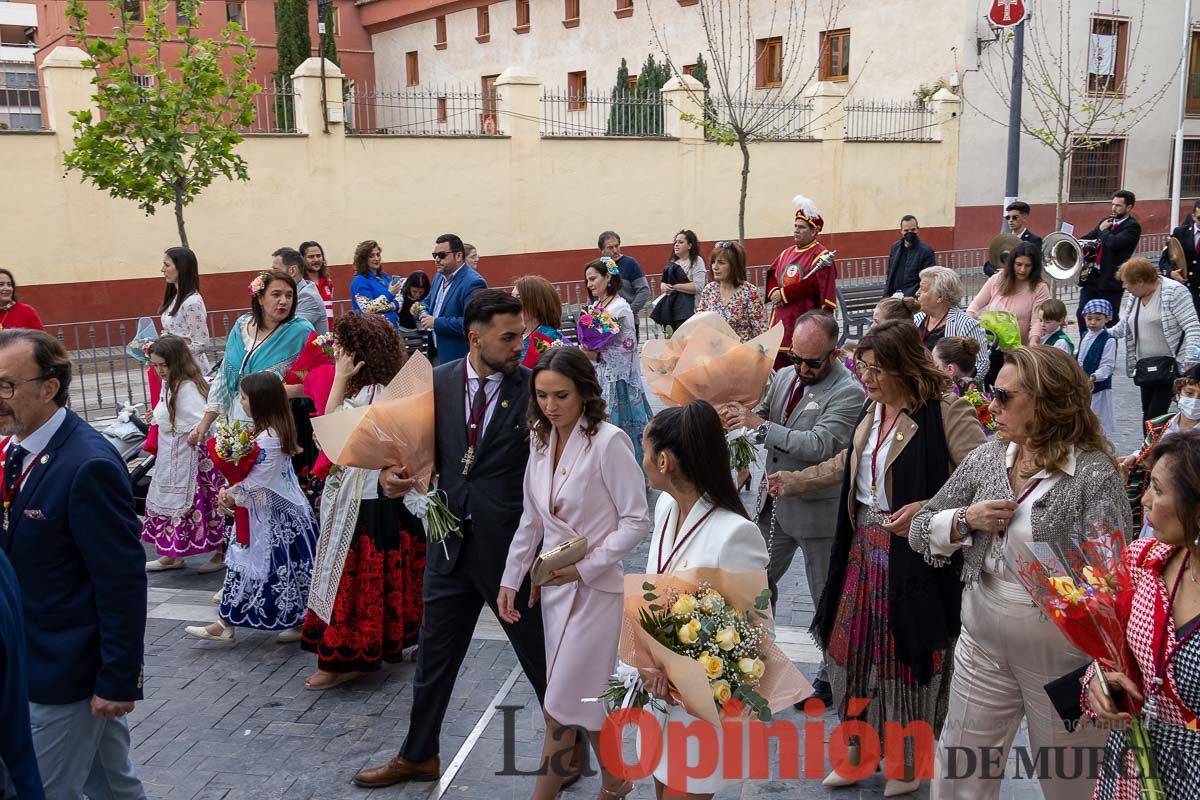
pixel 293 44
pixel 329 46
pixel 164 132
pixel 619 123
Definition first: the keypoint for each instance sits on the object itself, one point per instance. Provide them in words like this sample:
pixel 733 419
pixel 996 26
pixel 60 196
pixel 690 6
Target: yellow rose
pixel 712 600
pixel 689 633
pixel 1063 585
pixel 721 691
pixel 728 638
pixel 713 666
pixel 685 606
pixel 1097 582
pixel 753 667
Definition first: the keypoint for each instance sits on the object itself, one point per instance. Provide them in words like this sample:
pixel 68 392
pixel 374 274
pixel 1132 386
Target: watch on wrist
pixel 960 523
pixel 760 433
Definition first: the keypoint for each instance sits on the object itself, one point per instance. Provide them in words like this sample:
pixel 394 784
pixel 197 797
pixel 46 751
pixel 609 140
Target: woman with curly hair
pixel 371 283
pixel 365 600
pixel 582 479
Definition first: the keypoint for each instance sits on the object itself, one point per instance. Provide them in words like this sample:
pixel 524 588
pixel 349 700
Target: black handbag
pixel 1155 369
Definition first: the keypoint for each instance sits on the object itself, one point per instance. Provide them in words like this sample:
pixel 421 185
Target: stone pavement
pixel 237 722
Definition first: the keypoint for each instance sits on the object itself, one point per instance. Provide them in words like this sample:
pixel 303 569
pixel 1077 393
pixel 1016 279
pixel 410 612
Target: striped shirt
pixel 958 323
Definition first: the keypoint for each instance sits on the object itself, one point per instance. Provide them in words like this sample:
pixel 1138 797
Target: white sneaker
pixel 290 636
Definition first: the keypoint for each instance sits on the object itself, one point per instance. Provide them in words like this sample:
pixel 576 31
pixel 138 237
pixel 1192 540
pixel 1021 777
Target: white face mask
pixel 1190 407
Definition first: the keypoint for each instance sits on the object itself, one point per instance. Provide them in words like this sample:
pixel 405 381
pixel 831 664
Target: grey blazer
pixel 818 428
pixel 311 306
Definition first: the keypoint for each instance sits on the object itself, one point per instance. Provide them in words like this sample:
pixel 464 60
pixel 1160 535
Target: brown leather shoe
pixel 398 770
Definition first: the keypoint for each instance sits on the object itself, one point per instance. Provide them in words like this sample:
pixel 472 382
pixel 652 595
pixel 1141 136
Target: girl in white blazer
pixel 686 458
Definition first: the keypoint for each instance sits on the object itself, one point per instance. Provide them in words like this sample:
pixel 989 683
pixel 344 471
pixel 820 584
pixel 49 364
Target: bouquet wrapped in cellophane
pixel 395 430
pixel 1086 590
pixel 234 453
pixel 710 632
pixel 596 327
pixel 705 360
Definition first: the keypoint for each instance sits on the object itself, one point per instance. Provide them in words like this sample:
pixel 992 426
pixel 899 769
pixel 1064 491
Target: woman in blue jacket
pixel 371 283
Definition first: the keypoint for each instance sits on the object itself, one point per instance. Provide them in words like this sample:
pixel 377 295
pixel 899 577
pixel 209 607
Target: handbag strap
pixel 1137 309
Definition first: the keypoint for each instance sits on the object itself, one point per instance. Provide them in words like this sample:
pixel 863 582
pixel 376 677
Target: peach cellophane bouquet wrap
pixel 705 360
pixel 395 430
pixel 781 684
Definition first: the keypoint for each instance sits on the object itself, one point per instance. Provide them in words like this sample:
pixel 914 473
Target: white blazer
pixel 725 541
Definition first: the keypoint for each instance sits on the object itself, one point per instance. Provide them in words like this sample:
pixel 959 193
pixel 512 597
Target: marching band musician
pixel 788 288
pixel 1118 236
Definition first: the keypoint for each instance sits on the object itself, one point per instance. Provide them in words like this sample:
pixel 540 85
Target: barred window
pixel 1191 168
pixel 1096 169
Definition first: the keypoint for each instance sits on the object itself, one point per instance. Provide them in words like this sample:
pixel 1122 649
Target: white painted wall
pixel 894 48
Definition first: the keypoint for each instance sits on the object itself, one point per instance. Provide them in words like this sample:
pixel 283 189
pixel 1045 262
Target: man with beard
pixel 807 416
pixel 908 257
pixel 790 293
pixel 317 271
pixel 482 445
pixel 1118 236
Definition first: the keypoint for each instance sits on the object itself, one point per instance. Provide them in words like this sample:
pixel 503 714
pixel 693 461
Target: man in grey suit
pixel 806 417
pixel 309 303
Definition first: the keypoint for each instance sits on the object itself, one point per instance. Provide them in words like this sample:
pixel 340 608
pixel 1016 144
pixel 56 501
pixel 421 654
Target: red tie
pixel 797 392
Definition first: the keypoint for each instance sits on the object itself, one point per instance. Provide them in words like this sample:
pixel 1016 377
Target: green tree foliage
pixel 163 132
pixel 639 112
pixel 293 43
pixel 329 47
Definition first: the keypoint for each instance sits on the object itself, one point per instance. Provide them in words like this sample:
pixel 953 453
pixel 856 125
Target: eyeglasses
pixel 1002 396
pixel 811 363
pixel 863 369
pixel 440 256
pixel 1013 216
pixel 9 388
pixel 725 245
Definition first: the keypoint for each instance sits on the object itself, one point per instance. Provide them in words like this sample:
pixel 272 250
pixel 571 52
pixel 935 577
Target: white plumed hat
pixel 806 210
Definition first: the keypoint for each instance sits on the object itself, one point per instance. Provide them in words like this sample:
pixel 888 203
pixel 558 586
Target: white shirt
pixel 1020 528
pixel 37 441
pixel 862 486
pixel 494 380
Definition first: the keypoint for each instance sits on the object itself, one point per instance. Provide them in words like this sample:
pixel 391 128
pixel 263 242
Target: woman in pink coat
pixel 582 480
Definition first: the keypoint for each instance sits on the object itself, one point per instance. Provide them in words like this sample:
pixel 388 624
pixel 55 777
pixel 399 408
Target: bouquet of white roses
pixel 380 305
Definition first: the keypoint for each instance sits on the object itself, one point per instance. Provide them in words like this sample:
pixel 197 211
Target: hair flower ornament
pixel 259 283
pixel 611 265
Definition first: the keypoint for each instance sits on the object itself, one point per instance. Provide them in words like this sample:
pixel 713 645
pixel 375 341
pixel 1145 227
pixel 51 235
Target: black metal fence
pixel 571 113
pixel 421 111
pixel 274 109
pixel 770 121
pixel 889 121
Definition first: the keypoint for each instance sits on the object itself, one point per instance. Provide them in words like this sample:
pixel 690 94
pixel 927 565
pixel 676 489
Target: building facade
pixel 20 98
pixel 889 53
pixel 256 17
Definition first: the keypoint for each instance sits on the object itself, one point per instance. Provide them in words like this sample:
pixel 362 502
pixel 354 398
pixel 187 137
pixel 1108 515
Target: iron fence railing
pixel 771 120
pixel 105 378
pixel 274 109
pixel 21 106
pixel 889 121
pixel 421 111
pixel 574 113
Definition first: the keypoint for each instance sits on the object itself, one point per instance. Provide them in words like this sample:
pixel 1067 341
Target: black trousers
pixel 452 606
pixel 1156 399
pixel 1089 293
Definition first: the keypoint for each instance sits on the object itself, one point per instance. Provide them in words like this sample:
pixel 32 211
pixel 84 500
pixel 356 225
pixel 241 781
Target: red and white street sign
pixel 1006 13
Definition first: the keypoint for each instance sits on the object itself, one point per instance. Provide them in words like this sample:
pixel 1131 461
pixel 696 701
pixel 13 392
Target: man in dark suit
pixel 481 447
pixel 1188 235
pixel 1015 214
pixel 18 762
pixel 452 288
pixel 70 530
pixel 1118 236
pixel 908 257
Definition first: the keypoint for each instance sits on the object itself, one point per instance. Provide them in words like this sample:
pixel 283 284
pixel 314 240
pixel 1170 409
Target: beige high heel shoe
pixel 836 781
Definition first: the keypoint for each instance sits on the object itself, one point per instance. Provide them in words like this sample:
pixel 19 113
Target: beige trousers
pixel 1005 656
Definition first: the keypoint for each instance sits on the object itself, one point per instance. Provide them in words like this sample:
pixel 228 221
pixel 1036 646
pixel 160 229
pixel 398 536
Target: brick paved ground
pixel 221 722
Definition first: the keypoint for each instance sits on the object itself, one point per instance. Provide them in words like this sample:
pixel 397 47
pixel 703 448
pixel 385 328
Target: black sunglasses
pixel 1002 396
pixel 725 245
pixel 811 363
pixel 440 256
pixel 1013 216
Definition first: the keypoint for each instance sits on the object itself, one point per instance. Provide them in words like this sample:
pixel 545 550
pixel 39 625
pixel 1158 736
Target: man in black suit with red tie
pixel 1188 235
pixel 481 448
pixel 1118 236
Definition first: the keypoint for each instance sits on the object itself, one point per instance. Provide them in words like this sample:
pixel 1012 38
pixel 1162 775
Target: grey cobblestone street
pixel 237 722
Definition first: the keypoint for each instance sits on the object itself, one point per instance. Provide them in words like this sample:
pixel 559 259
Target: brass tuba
pixel 1065 257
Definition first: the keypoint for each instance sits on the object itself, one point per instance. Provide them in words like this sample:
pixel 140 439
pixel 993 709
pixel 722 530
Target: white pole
pixel 1184 73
